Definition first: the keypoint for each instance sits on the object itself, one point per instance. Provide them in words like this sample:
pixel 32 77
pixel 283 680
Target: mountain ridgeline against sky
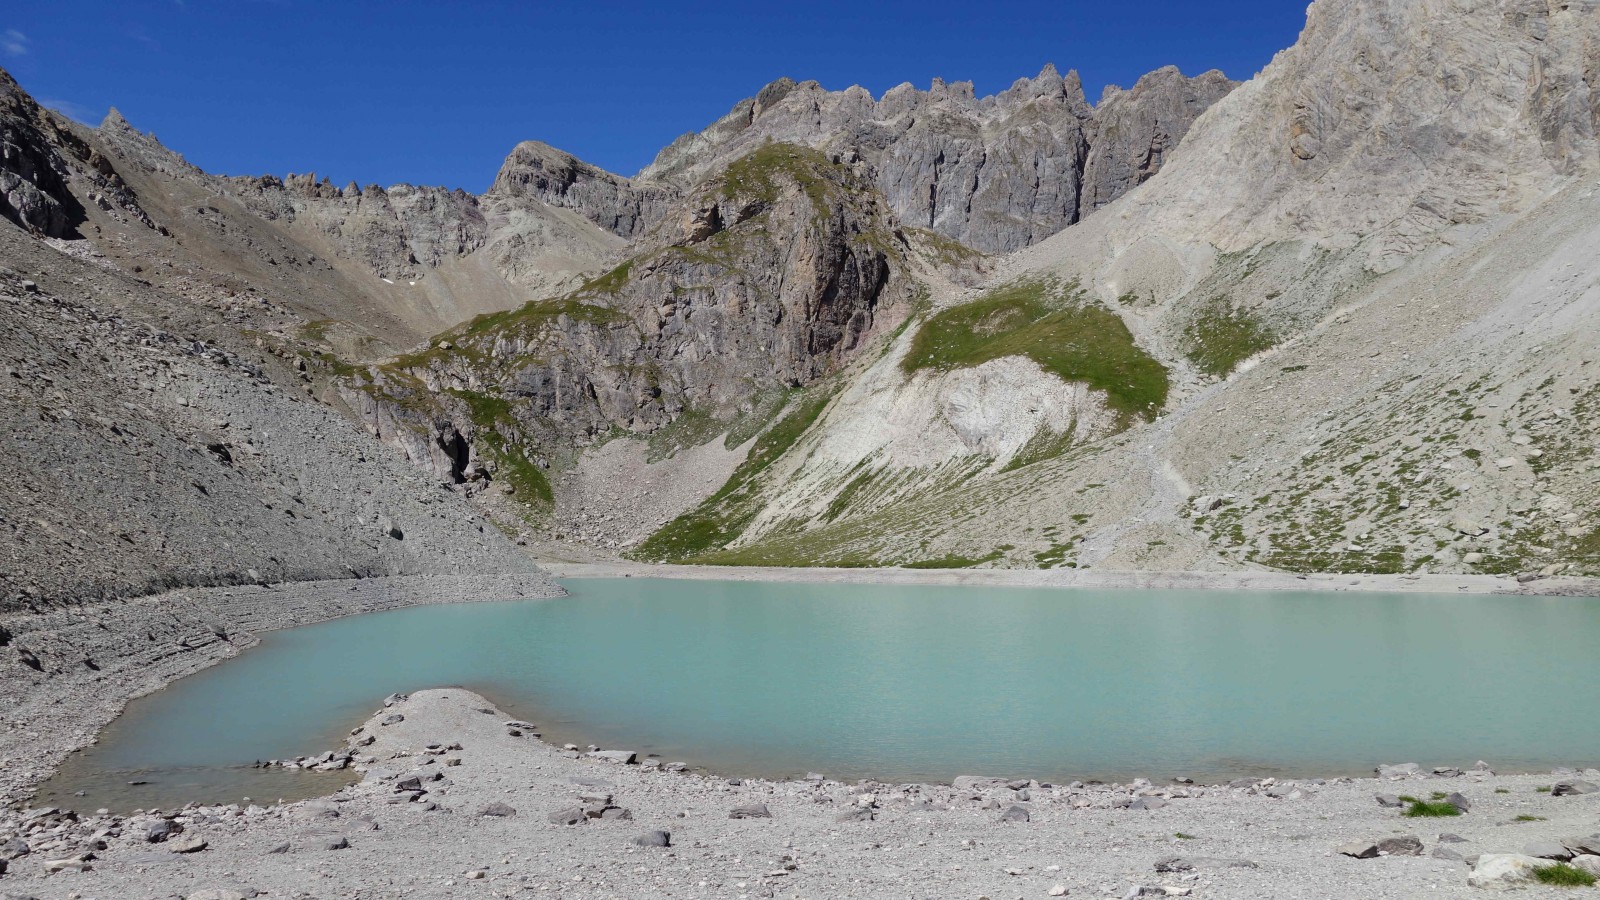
pixel 1339 317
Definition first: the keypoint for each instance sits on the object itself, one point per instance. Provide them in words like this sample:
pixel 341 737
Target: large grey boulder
pixel 1553 850
pixel 1572 787
pixel 1501 871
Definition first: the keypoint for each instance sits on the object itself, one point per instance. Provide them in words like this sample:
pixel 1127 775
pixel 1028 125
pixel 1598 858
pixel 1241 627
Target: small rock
pixel 162 829
pixel 1015 814
pixel 626 757
pixel 1588 862
pixel 337 843
pixel 392 719
pixel 1388 800
pixel 1459 801
pixel 1059 890
pixel 1448 838
pixel 1360 849
pixel 1572 787
pixel 654 839
pixel 1446 853
pixel 751 811
pixel 498 810
pixel 1148 803
pixel 280 848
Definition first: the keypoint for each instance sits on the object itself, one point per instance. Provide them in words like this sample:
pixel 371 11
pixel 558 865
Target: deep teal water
pixel 902 683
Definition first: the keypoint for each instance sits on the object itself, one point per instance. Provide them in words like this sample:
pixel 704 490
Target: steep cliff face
pixel 995 173
pixel 764 279
pixel 1135 130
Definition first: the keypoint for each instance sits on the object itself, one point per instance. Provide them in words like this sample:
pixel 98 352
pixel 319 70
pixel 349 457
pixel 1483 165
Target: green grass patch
pixel 760 175
pixel 1220 337
pixel 1423 809
pixel 954 561
pixel 1054 325
pixel 1527 818
pixel 1183 837
pixel 1541 790
pixel 1563 875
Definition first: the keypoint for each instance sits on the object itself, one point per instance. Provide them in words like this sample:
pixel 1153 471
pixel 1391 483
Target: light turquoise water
pixel 904 683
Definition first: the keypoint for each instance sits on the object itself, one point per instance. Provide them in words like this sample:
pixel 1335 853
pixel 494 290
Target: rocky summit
pixel 1335 326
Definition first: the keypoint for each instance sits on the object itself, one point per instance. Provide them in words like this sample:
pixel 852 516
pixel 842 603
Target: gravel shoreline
pixel 1242 580
pixel 457 800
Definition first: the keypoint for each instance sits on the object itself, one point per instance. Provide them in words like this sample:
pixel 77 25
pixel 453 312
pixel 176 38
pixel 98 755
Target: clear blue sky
pixel 438 92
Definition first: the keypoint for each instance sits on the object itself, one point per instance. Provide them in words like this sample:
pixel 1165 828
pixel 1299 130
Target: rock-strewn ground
pixel 476 816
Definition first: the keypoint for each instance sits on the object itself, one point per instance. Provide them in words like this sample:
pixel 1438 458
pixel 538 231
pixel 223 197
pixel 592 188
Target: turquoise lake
pixel 903 683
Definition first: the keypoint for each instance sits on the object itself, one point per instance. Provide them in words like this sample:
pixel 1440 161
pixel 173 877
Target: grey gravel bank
pixel 458 800
pixel 65 673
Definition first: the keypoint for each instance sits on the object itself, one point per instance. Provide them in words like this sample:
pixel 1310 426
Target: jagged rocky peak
pixel 997 172
pixel 538 171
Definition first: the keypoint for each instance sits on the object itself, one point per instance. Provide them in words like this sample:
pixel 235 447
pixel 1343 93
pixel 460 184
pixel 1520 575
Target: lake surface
pixel 903 683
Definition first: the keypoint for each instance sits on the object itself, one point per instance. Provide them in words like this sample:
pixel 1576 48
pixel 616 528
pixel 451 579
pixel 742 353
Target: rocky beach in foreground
pixel 456 799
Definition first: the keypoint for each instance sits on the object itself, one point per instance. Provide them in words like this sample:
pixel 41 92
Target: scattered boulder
pixel 1446 853
pixel 626 757
pixel 751 811
pixel 569 816
pixel 1505 870
pixel 1360 849
pixel 1398 771
pixel 336 843
pixel 1459 801
pixel 279 848
pixel 654 839
pixel 1448 838
pixel 498 811
pixel 392 719
pixel 222 893
pixel 976 783
pixel 1147 803
pixel 1583 846
pixel 1553 850
pixel 191 844
pixel 160 830
pixel 1589 862
pixel 1403 845
pixel 1016 814
pixel 857 814
pixel 1388 800
pixel 1572 787
pixel 1197 863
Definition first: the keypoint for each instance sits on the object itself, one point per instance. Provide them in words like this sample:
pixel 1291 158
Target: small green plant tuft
pixel 1423 809
pixel 1527 818
pixel 1563 875
pixel 1502 790
pixel 1542 790
pixel 1183 837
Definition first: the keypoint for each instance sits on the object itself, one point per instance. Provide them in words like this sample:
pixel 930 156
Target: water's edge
pixel 94 660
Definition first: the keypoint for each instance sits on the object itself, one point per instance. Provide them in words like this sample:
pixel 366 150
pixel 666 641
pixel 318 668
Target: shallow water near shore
pixel 900 683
